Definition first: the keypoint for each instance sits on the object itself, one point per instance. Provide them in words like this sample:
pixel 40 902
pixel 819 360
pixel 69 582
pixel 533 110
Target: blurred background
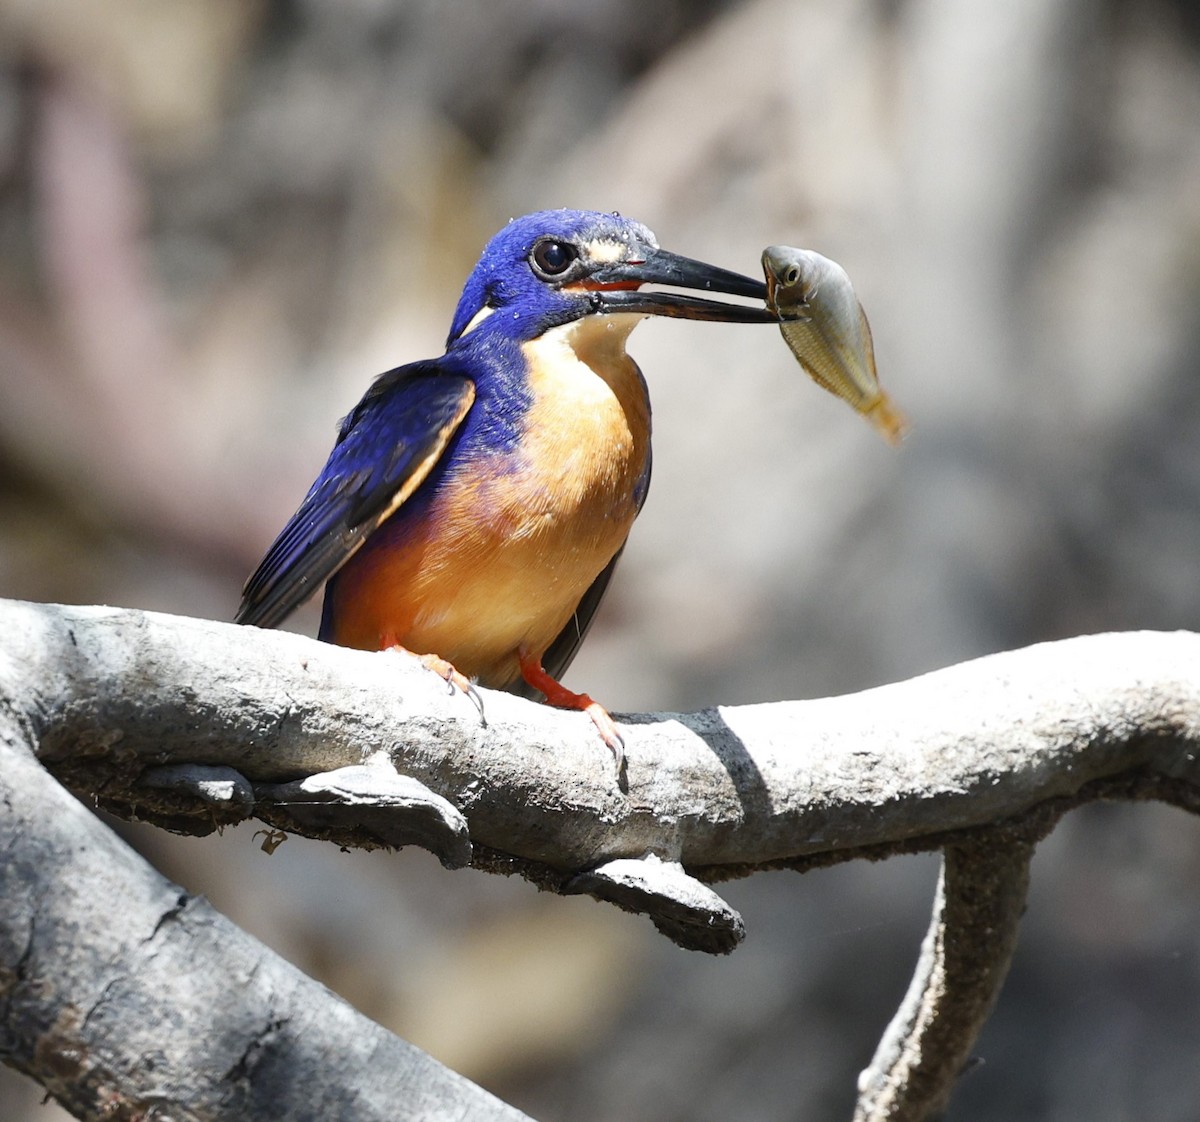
pixel 220 219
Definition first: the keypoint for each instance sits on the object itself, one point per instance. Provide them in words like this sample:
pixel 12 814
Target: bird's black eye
pixel 552 259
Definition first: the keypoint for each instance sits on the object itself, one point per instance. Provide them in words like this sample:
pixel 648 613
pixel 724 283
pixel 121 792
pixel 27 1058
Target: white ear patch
pixel 477 319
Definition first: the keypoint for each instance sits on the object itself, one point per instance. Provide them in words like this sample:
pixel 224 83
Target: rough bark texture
pixel 126 998
pixel 964 960
pixel 108 693
pixel 116 984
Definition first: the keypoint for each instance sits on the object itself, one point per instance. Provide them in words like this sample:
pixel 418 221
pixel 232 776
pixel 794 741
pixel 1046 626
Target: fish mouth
pixel 616 288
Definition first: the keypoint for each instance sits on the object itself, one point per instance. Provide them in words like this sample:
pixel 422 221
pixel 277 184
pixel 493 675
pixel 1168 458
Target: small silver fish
pixel 824 324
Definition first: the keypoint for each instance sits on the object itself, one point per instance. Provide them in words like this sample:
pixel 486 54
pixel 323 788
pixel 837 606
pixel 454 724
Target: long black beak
pixel 657 266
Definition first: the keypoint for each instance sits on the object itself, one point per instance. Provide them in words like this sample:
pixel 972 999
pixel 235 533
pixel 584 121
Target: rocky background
pixel 219 219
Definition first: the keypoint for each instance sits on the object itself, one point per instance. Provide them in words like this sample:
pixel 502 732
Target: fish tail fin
pixel 887 419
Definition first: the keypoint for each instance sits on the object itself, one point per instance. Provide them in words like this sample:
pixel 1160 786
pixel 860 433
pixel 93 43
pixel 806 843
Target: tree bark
pixel 193 724
pixel 128 999
pixel 106 693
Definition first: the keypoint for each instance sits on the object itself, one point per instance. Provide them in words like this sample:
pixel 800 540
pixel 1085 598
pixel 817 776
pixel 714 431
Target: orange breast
pixel 499 560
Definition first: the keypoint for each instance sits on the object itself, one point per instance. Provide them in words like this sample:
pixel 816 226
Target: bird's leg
pixel 443 669
pixel 562 698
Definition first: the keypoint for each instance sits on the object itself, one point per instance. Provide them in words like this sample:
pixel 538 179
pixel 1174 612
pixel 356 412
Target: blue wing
pixel 385 449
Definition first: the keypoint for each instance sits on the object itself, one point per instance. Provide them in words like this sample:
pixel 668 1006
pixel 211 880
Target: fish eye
pixel 552 258
pixel 792 275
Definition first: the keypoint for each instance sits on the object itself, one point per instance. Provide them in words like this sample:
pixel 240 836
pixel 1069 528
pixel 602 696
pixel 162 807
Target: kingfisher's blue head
pixel 555 266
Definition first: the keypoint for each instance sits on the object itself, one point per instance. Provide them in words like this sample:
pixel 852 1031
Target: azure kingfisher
pixel 475 505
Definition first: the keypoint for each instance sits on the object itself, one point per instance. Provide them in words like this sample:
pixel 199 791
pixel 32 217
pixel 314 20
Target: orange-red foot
pixel 444 670
pixel 562 698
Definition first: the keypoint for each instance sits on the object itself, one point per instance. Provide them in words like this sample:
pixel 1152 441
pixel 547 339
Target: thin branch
pixel 964 960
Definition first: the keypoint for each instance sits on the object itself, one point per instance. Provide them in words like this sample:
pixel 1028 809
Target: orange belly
pixel 494 564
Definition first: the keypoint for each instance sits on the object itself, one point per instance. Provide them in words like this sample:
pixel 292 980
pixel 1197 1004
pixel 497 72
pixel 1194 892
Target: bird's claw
pixel 562 698
pixel 454 680
pixel 446 671
pixel 607 728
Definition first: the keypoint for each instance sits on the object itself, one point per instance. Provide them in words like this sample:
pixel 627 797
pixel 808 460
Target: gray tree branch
pixel 964 960
pixel 128 999
pixel 192 724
